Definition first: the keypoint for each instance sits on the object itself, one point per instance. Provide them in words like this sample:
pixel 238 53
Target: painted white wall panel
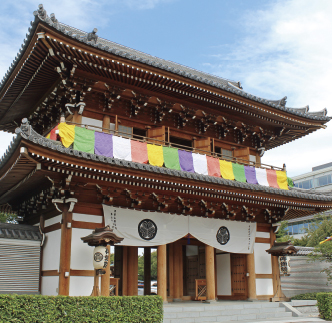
pixel 263 234
pixel 87 218
pixel 49 285
pixel 263 263
pixel 51 251
pixel 264 286
pixel 54 220
pixel 80 285
pixel 81 253
pixel 224 274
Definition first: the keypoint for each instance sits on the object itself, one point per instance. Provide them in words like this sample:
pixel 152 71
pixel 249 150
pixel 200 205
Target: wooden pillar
pixel 275 265
pixel 162 272
pixel 210 274
pixel 65 251
pixel 147 271
pixel 252 276
pixel 105 279
pixel 177 278
pixel 132 271
pixel 77 118
pixel 171 270
pixel 124 271
pixel 106 123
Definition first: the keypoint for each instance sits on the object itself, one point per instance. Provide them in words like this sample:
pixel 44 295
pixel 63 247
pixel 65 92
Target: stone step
pixel 224 313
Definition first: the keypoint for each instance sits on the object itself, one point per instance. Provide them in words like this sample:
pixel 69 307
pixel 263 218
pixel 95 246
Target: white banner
pixel 146 229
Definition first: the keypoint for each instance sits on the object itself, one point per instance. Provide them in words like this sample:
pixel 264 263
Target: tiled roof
pixel 27 132
pixel 20 232
pixel 303 251
pixel 134 55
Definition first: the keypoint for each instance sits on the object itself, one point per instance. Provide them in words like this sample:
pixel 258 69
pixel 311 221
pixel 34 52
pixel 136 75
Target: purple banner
pixel 186 161
pixel 103 144
pixel 250 174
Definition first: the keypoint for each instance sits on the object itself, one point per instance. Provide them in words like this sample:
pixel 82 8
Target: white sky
pixel 275 48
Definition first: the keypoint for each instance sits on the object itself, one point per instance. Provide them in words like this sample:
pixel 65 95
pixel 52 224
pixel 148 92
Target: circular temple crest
pixel 223 235
pixel 98 256
pixel 147 229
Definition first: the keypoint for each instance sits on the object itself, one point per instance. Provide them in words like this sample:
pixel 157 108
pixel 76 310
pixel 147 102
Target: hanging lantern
pixel 100 257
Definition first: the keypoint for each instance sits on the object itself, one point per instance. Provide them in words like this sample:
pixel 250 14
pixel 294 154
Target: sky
pixel 275 48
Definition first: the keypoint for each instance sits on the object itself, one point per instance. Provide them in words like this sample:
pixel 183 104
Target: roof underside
pixel 32 77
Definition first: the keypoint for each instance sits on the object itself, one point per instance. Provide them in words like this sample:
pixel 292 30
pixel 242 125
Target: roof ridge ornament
pixel 279 103
pixel 41 13
pixel 90 37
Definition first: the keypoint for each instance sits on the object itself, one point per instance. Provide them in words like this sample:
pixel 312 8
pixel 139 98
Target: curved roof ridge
pixel 302 110
pixel 320 113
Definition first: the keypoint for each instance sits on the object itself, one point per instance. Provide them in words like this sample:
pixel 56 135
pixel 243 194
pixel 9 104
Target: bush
pixel 309 296
pixel 47 309
pixel 324 303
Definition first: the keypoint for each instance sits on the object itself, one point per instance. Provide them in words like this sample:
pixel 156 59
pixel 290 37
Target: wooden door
pixel 239 276
pixel 191 274
pixel 158 134
pixel 203 145
pixel 242 153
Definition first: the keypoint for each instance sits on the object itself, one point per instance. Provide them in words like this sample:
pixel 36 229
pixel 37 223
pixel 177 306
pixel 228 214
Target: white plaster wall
pixel 264 286
pixel 224 286
pixel 54 220
pixel 49 285
pixel 263 263
pixel 81 253
pixel 87 218
pixel 262 234
pixel 80 285
pixel 51 251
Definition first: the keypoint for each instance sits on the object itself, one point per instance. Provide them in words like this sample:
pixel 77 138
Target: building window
pixel 92 124
pixel 323 180
pixel 125 131
pixel 180 143
pixel 223 153
pixel 304 184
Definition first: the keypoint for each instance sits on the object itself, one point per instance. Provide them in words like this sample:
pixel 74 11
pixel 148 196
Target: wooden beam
pixel 252 276
pixel 132 271
pixel 162 272
pixel 147 271
pixel 105 279
pixel 210 274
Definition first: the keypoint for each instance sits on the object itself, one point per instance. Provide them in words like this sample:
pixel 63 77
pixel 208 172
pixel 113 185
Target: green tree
pixel 153 266
pixel 7 217
pixel 282 233
pixel 321 228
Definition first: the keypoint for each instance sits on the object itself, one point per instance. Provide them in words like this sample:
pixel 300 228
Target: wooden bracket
pixel 161 205
pixel 246 214
pixel 181 205
pixel 134 201
pixel 208 211
pixel 226 212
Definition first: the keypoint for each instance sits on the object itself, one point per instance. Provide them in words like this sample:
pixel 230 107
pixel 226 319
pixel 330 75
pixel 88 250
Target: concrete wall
pixel 305 277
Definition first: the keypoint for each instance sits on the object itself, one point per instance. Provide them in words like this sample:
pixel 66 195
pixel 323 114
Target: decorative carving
pixel 55 21
pixel 204 123
pixel 226 212
pixel 222 128
pixel 258 138
pixel 184 116
pixel 240 132
pixel 161 109
pixel 182 206
pixel 161 205
pixel 91 37
pixel 134 201
pixel 41 13
pixel 137 103
pixel 111 95
pixel 209 211
pixel 246 213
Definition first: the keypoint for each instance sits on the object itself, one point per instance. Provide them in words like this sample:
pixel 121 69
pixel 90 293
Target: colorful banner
pixel 84 140
pixel 112 146
pixel 139 152
pixel 239 173
pixel 171 158
pixel 226 169
pixel 186 161
pixel 103 144
pixel 156 156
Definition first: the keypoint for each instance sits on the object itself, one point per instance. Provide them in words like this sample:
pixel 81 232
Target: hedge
pixel 310 296
pixel 324 303
pixel 47 309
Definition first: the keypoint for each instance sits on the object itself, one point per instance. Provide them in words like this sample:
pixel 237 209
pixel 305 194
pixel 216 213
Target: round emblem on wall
pixel 98 256
pixel 147 229
pixel 223 235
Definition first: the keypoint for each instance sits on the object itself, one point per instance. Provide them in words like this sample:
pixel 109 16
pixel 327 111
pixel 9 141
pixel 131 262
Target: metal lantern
pixel 100 257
